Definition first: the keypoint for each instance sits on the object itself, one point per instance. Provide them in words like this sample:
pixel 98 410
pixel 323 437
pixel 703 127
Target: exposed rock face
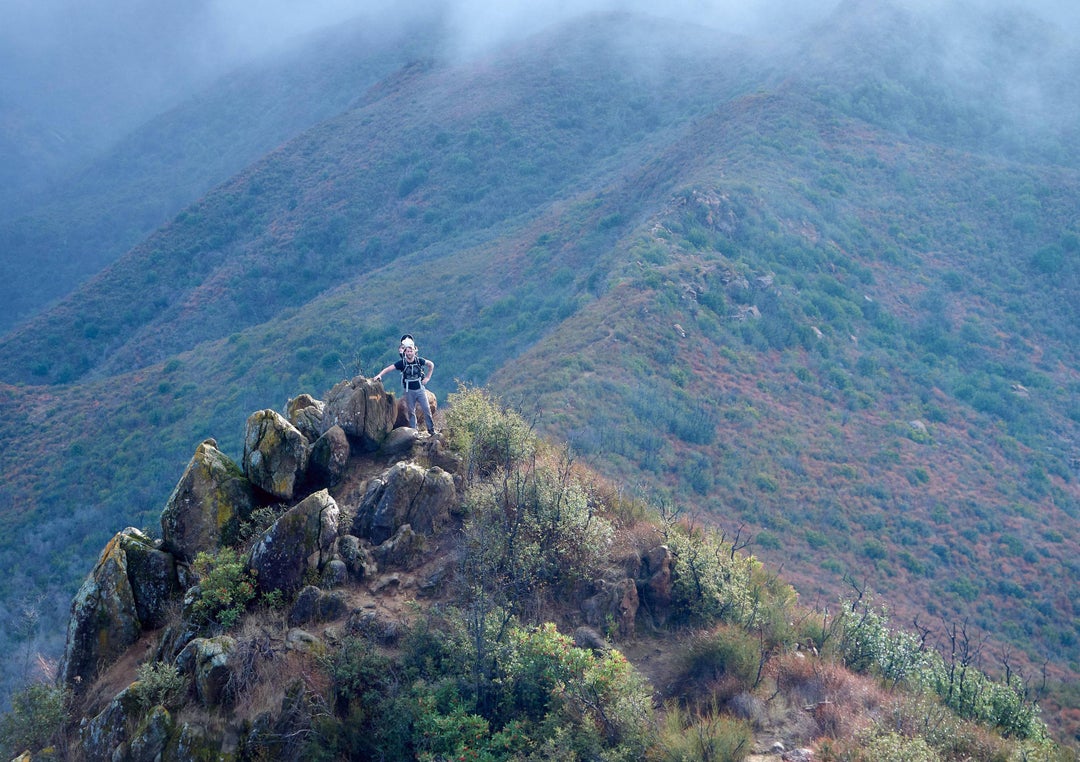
pixel 211 499
pixel 363 410
pixel 329 458
pixel 275 454
pixel 105 614
pixel 406 494
pixel 303 539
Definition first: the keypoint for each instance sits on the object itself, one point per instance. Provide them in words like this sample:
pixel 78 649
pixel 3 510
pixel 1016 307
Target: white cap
pixel 407 343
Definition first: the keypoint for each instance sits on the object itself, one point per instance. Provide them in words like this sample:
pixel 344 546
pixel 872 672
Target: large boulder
pixel 207 660
pixel 192 741
pixel 357 557
pixel 303 539
pixel 329 458
pixel 104 618
pixel 363 409
pixel 306 414
pixel 149 739
pixel 275 454
pixel 405 494
pixel 315 605
pixel 403 550
pixel 152 576
pixel 205 509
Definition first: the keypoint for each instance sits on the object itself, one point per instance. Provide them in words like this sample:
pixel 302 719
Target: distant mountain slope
pixel 722 283
pixel 438 156
pixel 98 213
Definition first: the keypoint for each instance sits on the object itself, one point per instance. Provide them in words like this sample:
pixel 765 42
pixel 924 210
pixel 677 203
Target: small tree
pixel 37 718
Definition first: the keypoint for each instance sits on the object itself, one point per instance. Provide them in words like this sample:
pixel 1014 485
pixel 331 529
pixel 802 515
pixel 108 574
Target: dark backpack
pixel 413 371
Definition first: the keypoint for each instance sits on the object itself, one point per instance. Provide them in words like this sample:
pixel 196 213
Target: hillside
pixel 726 280
pixel 356 590
pixel 114 200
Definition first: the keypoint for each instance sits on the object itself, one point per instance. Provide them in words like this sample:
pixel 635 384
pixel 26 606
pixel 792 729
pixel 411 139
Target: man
pixel 415 374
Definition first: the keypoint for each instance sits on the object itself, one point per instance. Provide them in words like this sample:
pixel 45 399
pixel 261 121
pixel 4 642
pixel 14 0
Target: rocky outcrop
pixel 211 499
pixel 363 410
pixel 275 454
pixel 138 581
pixel 105 614
pixel 405 494
pixel 302 540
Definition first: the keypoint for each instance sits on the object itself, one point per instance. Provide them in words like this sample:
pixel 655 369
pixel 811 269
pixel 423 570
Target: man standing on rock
pixel 415 374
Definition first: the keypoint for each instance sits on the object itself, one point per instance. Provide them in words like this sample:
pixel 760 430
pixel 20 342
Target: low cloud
pixel 108 63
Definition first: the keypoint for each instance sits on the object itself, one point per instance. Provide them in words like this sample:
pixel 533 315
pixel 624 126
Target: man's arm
pixel 378 376
pixel 430 370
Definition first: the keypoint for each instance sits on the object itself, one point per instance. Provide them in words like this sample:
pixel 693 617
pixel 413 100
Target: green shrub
pixel 226 586
pixel 724 662
pixel 475 686
pixel 890 746
pixel 548 678
pixel 868 645
pixel 536 532
pixel 708 735
pixel 453 735
pixel 710 582
pixel 374 705
pixel 492 438
pixel 159 683
pixel 356 669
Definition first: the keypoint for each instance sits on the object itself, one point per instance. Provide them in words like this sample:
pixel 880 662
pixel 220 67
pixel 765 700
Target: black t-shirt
pixel 412 373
